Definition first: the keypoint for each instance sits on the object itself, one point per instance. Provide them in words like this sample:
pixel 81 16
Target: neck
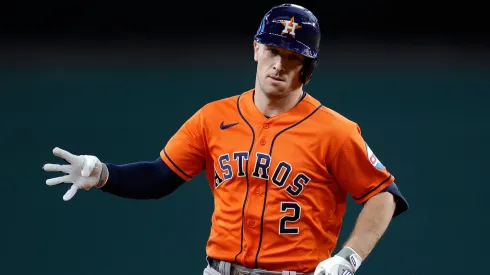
pixel 277 104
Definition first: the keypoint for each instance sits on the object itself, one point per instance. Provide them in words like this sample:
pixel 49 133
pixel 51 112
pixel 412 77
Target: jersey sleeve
pixel 357 169
pixel 185 151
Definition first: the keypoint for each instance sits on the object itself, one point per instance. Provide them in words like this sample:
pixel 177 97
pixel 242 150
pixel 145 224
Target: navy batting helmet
pixel 294 28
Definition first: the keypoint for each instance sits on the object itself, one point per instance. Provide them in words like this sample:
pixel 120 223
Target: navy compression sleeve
pixel 142 180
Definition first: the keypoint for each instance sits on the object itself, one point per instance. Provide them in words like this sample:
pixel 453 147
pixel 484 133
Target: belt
pixel 228 268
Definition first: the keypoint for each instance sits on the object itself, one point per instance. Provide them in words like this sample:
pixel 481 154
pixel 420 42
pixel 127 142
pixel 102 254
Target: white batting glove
pixel 346 262
pixel 82 171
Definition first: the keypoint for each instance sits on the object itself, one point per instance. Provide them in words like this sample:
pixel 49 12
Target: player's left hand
pixel 346 262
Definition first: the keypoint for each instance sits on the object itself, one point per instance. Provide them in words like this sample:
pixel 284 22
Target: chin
pixel 274 90
pixel 276 87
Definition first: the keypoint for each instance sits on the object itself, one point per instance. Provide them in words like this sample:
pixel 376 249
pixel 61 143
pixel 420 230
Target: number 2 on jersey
pixel 285 206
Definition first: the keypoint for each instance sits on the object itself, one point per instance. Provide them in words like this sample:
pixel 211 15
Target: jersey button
pixel 262 142
pixel 251 223
pixel 266 126
pixel 257 190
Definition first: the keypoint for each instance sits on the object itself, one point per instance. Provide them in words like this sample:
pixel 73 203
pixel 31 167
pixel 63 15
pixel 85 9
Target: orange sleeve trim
pixel 371 193
pixel 171 164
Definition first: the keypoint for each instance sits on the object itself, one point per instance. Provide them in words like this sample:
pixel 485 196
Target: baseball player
pixel 279 163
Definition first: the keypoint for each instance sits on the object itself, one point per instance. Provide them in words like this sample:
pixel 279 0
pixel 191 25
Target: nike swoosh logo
pixel 226 126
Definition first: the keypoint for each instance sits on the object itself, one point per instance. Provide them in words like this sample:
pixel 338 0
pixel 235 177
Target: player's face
pixel 278 69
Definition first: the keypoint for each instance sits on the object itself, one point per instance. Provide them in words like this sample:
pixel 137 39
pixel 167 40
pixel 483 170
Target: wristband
pixel 351 256
pixel 104 176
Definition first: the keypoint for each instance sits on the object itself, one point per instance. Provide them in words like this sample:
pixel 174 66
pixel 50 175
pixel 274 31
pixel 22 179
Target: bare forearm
pixel 371 224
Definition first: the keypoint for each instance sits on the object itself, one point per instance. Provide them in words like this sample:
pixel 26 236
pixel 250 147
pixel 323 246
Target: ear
pixel 256 49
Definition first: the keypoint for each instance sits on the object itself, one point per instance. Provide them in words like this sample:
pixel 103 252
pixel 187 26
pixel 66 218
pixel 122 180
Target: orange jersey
pixel 280 184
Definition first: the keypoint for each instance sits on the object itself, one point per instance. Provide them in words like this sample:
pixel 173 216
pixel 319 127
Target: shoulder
pixel 332 128
pixel 336 119
pixel 220 105
pixel 330 120
pixel 216 111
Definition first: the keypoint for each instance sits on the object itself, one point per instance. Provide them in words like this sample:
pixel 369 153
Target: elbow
pixel 164 189
pixel 160 194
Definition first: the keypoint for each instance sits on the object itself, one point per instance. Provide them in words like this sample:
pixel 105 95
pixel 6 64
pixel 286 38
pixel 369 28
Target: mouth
pixel 276 78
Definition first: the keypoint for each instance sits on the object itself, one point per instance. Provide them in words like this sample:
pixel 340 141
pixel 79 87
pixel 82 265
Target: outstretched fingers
pixel 58 180
pixel 65 155
pixel 70 193
pixel 49 167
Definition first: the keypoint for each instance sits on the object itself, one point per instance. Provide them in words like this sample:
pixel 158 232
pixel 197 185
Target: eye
pixel 294 57
pixel 273 51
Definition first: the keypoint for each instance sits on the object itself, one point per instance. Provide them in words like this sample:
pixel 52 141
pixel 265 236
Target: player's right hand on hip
pixel 81 171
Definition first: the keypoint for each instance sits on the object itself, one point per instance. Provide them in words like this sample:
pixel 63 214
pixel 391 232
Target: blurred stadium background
pixel 117 79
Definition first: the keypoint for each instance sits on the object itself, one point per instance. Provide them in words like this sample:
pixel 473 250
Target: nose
pixel 278 64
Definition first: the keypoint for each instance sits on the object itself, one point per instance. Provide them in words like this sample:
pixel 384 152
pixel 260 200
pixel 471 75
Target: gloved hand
pixel 82 171
pixel 346 262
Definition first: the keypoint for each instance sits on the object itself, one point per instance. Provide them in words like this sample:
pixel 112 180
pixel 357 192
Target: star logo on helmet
pixel 290 27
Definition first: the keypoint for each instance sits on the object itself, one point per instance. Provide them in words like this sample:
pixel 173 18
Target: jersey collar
pixel 249 110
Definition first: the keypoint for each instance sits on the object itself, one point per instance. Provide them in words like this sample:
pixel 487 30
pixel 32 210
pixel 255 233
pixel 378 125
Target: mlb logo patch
pixel 373 159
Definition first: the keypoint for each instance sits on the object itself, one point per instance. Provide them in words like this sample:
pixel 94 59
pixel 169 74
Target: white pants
pixel 210 271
